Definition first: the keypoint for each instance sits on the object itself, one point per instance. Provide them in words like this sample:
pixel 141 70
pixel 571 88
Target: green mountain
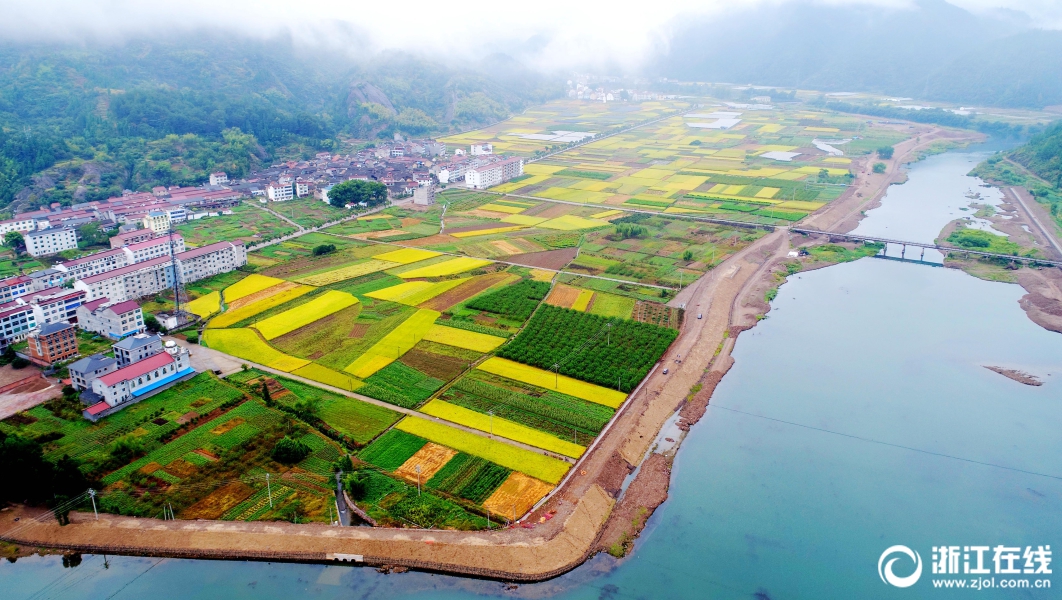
pixel 1042 155
pixel 80 123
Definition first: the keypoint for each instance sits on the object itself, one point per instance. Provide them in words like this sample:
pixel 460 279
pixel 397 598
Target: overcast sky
pixel 547 33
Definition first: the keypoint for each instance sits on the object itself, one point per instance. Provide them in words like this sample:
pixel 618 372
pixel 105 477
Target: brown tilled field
pixel 219 501
pixel 562 295
pixel 464 291
pixel 517 495
pixel 270 291
pixel 435 365
pixel 549 259
pixel 430 459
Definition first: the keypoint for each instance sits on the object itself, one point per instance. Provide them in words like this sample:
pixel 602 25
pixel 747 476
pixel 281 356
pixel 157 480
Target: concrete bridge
pixel 854 237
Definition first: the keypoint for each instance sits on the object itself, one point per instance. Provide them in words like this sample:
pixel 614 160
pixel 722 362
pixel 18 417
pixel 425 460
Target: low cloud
pixel 547 34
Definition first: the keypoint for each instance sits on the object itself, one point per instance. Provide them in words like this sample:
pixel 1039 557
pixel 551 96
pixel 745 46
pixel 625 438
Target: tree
pixel 15 241
pixel 152 324
pixel 290 451
pixel 687 255
pixel 324 249
pixel 266 396
pixel 355 191
pixel 879 167
pixel 885 152
pixel 92 234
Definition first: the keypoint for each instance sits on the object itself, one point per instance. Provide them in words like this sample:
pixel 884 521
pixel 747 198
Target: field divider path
pixel 278 215
pixel 405 411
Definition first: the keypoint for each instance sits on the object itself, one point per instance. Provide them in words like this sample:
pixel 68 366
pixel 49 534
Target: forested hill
pixel 929 49
pixel 96 120
pixel 1042 155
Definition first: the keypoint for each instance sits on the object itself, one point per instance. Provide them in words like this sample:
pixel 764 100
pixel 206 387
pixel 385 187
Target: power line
pixel 890 444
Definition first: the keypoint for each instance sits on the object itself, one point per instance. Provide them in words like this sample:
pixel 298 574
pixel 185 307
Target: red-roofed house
pixel 139 380
pixel 115 320
pixel 131 237
pixel 93 264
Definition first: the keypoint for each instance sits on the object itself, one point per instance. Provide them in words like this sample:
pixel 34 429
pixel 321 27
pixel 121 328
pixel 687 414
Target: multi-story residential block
pixel 53 305
pixel 50 241
pixel 83 371
pixel 13 287
pixel 46 278
pixel 206 261
pixel 482 149
pixel 157 221
pixel 424 195
pixel 302 188
pixel 93 264
pixel 218 178
pixel 132 237
pixel 491 174
pixel 280 192
pixel 19 224
pixel 153 248
pixel 16 321
pixel 130 282
pixel 116 320
pixel 136 348
pixel 52 342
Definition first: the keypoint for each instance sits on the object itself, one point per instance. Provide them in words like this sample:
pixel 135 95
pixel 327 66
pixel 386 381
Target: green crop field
pixel 608 352
pixel 392 449
pixel 248 224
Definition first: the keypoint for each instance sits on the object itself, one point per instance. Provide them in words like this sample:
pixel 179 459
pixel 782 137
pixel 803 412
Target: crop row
pixel 498 426
pixel 401 385
pixel 516 301
pixel 564 410
pixel 392 449
pixel 469 477
pixel 609 352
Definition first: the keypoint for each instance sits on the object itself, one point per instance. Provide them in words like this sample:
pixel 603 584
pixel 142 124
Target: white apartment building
pixel 16 321
pixel 50 241
pixel 302 188
pixel 492 174
pixel 157 221
pixel 424 195
pixel 54 305
pixel 482 149
pixel 129 282
pixel 22 225
pixel 115 320
pixel 219 178
pixel 206 261
pixel 279 192
pixel 93 264
pixel 153 248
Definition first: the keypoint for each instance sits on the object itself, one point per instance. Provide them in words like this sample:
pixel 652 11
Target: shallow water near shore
pixel 859 415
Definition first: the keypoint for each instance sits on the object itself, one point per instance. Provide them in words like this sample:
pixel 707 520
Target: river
pixel 858 416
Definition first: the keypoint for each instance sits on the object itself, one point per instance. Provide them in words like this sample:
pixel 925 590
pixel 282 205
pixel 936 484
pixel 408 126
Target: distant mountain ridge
pixel 935 51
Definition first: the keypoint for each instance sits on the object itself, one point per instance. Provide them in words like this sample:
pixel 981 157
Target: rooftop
pixel 52 328
pixel 137 369
pixel 92 363
pixel 137 341
pixel 162 260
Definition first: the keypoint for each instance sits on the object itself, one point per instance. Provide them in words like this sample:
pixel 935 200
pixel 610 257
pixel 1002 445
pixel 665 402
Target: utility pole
pixel 417 469
pixel 92 495
pixel 490 415
pixel 269 490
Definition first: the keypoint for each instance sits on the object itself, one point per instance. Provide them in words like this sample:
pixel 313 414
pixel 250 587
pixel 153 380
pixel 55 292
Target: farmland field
pixel 249 285
pixel 551 381
pixel 590 347
pixel 231 317
pixel 245 343
pixel 502 428
pixel 204 306
pixel 248 223
pixel 538 466
pixel 300 316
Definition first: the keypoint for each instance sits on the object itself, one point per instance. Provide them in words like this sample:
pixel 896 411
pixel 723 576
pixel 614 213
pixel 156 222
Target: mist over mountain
pixel 934 51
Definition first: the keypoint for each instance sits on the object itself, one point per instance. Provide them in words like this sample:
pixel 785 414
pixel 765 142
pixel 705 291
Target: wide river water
pixel 858 416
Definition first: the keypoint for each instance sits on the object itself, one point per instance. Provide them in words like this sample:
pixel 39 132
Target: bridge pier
pixel 903 251
pixel 923 258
